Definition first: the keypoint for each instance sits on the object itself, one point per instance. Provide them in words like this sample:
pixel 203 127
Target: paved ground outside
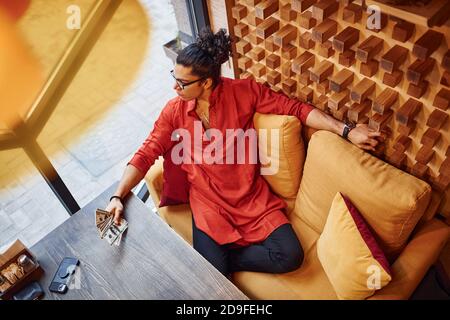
pixel 98 124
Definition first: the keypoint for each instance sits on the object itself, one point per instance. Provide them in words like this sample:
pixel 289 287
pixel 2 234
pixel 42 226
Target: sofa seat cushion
pixel 179 218
pixel 390 200
pixel 307 282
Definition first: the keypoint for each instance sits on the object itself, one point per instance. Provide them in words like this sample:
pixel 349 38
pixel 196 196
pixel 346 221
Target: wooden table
pixel 153 262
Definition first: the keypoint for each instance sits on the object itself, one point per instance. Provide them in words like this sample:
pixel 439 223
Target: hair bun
pixel 217 46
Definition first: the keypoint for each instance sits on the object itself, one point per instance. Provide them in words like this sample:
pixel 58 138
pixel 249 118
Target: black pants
pixel 281 252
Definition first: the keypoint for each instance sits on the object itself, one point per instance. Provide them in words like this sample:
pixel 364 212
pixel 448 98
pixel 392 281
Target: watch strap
pixel 347 128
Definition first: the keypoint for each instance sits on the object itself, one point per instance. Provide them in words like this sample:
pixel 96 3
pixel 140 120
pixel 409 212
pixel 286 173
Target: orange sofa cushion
pixel 390 200
pixel 309 282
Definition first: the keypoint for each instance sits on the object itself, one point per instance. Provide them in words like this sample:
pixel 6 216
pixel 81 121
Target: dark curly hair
pixel 207 54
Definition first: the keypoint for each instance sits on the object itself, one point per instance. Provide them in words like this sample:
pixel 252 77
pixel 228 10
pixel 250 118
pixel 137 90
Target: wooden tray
pixel 10 256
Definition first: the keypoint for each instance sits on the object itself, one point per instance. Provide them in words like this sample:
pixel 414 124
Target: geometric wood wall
pixel 396 79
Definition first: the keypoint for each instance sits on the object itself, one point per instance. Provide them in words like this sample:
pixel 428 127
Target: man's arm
pixel 267 101
pixel 130 178
pixel 361 135
pixel 156 144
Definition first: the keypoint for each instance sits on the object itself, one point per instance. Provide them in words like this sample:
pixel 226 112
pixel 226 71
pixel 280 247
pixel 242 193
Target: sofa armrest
pixel 178 217
pixel 415 260
pixel 154 180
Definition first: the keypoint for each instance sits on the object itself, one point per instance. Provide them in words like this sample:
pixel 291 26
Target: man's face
pixel 183 75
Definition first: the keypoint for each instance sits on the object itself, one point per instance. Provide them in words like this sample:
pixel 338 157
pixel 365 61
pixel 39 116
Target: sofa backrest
pixel 391 201
pixel 289 156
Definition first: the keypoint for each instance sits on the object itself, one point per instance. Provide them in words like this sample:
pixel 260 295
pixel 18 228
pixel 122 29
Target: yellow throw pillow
pixel 282 153
pixel 349 254
pixel 288 158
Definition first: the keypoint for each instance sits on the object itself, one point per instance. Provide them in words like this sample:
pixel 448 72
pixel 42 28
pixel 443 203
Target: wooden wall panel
pixel 221 16
pixel 396 79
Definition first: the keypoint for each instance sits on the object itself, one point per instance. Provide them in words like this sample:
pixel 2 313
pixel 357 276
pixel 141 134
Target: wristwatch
pixel 348 126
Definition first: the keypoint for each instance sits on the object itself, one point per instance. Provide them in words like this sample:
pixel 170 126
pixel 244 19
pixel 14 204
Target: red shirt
pixel 232 203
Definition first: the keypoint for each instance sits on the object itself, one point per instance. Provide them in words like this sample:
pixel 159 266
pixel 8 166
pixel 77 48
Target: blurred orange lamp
pixel 15 8
pixel 20 74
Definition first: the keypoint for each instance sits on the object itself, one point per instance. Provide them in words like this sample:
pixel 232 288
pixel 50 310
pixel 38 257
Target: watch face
pixel 350 124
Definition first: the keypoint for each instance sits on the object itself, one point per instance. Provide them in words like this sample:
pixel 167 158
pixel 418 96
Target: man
pixel 238 223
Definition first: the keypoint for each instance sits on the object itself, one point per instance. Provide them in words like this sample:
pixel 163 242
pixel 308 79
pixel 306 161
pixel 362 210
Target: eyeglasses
pixel 182 84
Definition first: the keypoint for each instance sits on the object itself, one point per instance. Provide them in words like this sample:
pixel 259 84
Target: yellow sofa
pixel 397 206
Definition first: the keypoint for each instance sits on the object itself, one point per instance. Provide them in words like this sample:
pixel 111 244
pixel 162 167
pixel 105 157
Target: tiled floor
pixel 106 113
